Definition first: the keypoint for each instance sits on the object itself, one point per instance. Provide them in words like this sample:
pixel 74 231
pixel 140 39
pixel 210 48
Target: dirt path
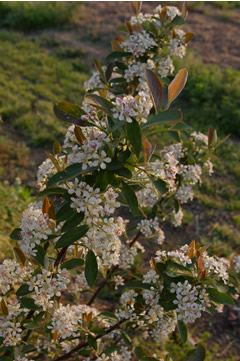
pixel 216 39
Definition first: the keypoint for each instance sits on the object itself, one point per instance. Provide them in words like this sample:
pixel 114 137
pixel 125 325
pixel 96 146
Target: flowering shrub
pixel 102 195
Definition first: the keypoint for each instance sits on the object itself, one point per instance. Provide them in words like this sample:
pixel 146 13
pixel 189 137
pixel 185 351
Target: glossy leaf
pixel 130 197
pixel 16 234
pixel 118 55
pixel 19 255
pixel 199 354
pixel 183 331
pixel 147 149
pixel 220 297
pixel 156 89
pixel 23 290
pixel 134 136
pixel 177 85
pixel 71 113
pixel 170 115
pixel 96 100
pixel 109 315
pixel 73 221
pixel 73 263
pixel 161 186
pixel 29 304
pixel 91 268
pixel 71 236
pixel 79 134
pixel 176 270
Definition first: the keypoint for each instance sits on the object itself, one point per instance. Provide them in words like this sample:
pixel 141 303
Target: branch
pixel 85 343
pixel 60 256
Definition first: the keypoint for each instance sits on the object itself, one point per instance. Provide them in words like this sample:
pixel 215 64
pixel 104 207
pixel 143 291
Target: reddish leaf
pixel 79 134
pixel 188 37
pixel 177 85
pixel 46 205
pixel 56 148
pixel 156 89
pixel 184 10
pixel 116 46
pixel 19 255
pixel 4 307
pixel 147 149
pixel 137 5
pixel 129 27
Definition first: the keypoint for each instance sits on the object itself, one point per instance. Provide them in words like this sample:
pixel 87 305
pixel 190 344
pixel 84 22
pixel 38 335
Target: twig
pixel 85 343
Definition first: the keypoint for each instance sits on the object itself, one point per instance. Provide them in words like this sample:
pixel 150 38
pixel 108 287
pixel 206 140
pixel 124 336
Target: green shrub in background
pixel 40 79
pixel 214 91
pixel 13 200
pixel 28 15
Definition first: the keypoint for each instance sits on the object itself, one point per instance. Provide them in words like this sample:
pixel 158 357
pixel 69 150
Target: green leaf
pixel 108 351
pixel 92 342
pixel 65 212
pixel 220 297
pixel 72 222
pixel 71 113
pixel 52 190
pixel 183 331
pixel 140 352
pixel 161 186
pixel 16 234
pixel 171 115
pixel 91 268
pixel 101 102
pixel 126 338
pixel 109 315
pixel 177 270
pixel 138 284
pixel 148 359
pixel 73 263
pixel 178 20
pixel 23 290
pixel 40 255
pixel 118 55
pixel 71 236
pixel 130 197
pixel 199 354
pixel 134 136
pixel 29 304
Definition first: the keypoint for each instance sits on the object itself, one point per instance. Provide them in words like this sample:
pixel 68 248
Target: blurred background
pixel 46 52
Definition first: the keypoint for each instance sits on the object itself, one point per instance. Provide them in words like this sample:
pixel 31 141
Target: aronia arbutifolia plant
pixel 102 195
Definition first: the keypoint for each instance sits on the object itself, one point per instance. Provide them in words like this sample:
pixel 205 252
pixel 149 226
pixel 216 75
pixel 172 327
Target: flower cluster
pixel 90 153
pixel 11 273
pixel 35 228
pixel 46 285
pixel 129 107
pixel 138 43
pixel 190 301
pixel 68 320
pixel 150 229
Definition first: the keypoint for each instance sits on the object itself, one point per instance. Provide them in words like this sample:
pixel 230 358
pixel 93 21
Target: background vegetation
pixel 40 65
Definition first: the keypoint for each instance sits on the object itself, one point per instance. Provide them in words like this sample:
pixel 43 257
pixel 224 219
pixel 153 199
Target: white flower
pixel 138 43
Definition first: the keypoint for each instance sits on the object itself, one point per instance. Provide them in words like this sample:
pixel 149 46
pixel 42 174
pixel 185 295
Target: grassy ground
pixel 39 68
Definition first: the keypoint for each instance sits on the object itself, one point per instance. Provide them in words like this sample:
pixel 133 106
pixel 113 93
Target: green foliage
pixel 216 92
pixel 13 200
pixel 40 80
pixel 28 15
